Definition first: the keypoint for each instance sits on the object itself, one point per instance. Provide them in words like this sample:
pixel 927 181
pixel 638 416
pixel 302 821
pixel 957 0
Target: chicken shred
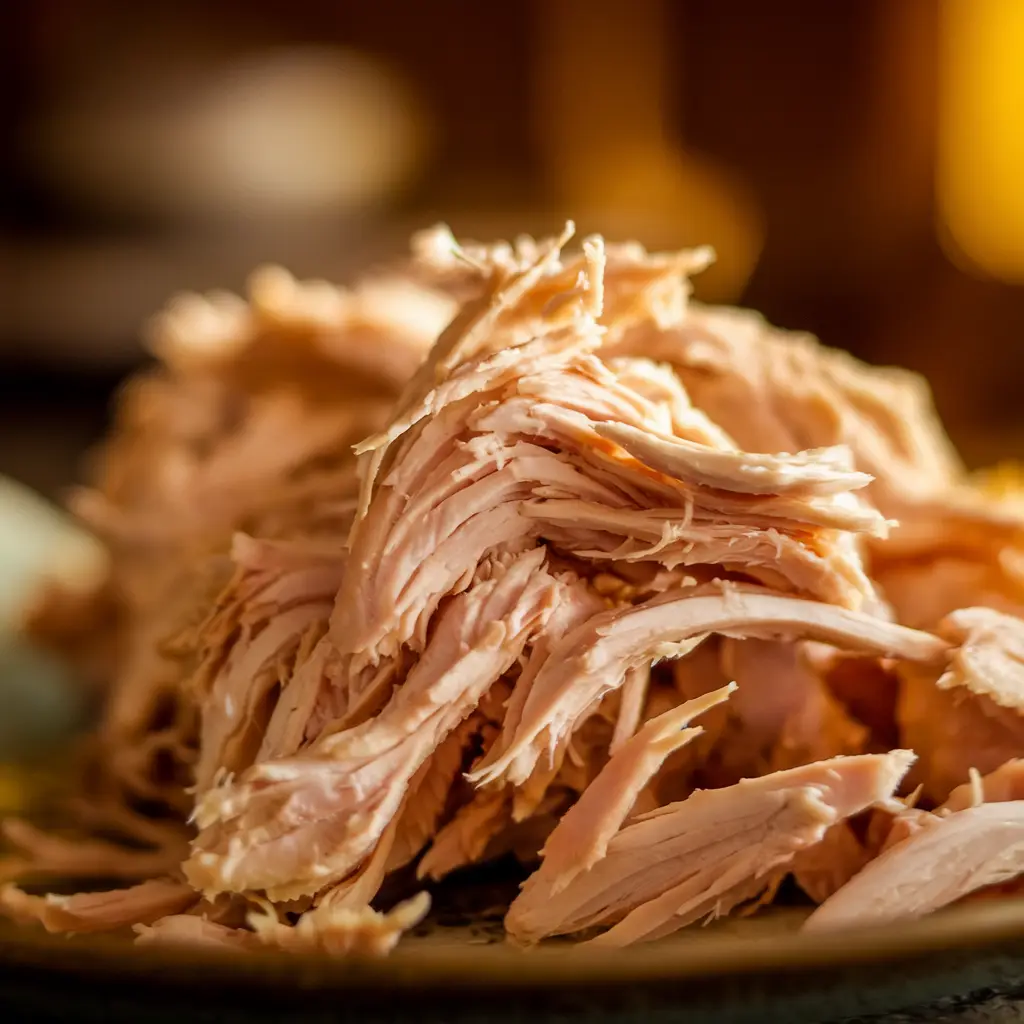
pixel 440 568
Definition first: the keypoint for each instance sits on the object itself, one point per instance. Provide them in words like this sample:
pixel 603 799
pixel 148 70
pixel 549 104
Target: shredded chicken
pixel 939 862
pixel 969 714
pixel 703 855
pixel 99 911
pixel 518 552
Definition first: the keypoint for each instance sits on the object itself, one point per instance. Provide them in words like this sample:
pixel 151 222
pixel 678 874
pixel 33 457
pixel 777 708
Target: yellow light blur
pixel 609 148
pixel 14 790
pixel 980 174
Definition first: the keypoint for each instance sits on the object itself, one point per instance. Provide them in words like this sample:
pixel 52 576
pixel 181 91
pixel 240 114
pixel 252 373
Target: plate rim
pixel 973 929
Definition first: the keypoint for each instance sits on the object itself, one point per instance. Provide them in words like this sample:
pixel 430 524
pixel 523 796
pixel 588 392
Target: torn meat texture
pixel 430 792
pixel 988 658
pixel 436 516
pixel 966 715
pixel 1004 784
pixel 593 659
pixel 246 422
pixel 774 391
pixel 194 931
pixel 695 765
pixel 784 708
pixel 281 595
pixel 506 427
pixel 493 330
pixel 294 825
pixel 939 863
pixel 633 697
pixel 890 826
pixel 243 408
pixel 704 855
pixel 821 472
pixel 412 575
pixel 580 841
pixel 464 840
pixel 637 287
pixel 660 386
pixel 99 911
pixel 828 865
pixel 782 716
pixel 342 930
pixel 965 550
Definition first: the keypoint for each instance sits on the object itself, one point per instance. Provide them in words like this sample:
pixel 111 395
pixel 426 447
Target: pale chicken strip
pixel 631 706
pixel 938 864
pixel 99 911
pixel 676 537
pixel 989 655
pixel 190 930
pixel 489 329
pixel 585 429
pixel 1003 784
pixel 428 794
pixel 480 400
pixel 822 471
pixel 705 854
pixel 581 838
pixel 592 660
pixel 774 391
pixel 278 594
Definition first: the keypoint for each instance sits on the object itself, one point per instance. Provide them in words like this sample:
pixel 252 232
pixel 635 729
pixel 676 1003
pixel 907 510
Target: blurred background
pixel 857 164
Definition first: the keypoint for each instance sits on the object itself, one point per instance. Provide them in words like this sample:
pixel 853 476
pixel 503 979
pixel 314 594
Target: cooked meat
pixel 594 658
pixel 464 840
pixel 246 423
pixel 582 836
pixel 441 568
pixel 1004 784
pixel 99 911
pixel 263 625
pixel 700 857
pixel 785 712
pixel 779 392
pixel 938 863
pixel 971 713
pixel 826 867
pixel 341 929
pixel 971 843
pixel 291 826
pixel 190 930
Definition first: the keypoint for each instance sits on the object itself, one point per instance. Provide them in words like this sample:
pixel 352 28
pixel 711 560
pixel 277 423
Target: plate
pixel 938 968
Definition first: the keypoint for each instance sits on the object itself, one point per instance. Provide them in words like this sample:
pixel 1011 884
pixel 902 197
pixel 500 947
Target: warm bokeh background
pixel 857 164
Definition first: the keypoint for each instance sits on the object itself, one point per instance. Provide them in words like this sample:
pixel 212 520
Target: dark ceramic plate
pixel 938 969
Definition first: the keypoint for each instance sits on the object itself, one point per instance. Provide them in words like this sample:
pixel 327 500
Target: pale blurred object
pixel 38 700
pixel 604 75
pixel 981 135
pixel 290 131
pixel 38 540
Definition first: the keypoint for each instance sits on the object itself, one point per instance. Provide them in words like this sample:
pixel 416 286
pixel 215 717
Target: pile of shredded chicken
pixel 520 553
